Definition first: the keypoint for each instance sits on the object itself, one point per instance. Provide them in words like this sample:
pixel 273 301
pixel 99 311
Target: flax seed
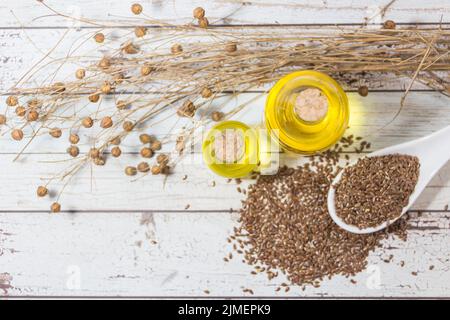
pixel 376 189
pixel 284 225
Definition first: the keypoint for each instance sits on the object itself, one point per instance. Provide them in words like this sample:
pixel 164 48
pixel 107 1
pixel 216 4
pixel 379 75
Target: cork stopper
pixel 229 146
pixel 311 105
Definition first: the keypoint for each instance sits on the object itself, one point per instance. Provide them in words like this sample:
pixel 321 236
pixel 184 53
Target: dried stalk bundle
pixel 173 71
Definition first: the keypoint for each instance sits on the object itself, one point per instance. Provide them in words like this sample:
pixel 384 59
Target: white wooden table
pixel 121 238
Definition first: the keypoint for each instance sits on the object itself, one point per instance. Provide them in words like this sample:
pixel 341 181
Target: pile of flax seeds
pixel 284 225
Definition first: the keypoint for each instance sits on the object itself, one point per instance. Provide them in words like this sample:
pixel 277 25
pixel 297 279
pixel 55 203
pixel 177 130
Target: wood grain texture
pixel 181 254
pixel 422 114
pixel 46 157
pixel 228 12
pixel 105 238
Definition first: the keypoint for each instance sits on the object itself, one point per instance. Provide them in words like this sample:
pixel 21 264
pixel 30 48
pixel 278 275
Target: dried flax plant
pixel 161 71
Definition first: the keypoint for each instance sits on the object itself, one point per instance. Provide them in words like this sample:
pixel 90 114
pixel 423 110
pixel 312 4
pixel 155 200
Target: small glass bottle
pixel 306 112
pixel 232 149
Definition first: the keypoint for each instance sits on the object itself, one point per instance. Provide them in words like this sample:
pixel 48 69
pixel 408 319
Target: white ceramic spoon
pixel 433 152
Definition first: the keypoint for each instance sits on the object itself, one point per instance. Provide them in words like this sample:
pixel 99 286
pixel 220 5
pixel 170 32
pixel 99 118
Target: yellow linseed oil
pixel 307 112
pixel 231 149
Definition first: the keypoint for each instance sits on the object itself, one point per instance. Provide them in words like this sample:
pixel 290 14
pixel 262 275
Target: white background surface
pixel 117 237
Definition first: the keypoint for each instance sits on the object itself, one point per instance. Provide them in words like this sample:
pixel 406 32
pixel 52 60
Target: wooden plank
pixel 108 234
pixel 34 14
pixel 112 254
pixel 371 117
pixel 423 114
pixel 108 189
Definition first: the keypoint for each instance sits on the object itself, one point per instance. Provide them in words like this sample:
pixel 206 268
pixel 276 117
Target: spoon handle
pixel 434 150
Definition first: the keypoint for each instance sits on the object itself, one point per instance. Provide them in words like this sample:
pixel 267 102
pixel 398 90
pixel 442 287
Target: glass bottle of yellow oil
pixel 232 149
pixel 306 112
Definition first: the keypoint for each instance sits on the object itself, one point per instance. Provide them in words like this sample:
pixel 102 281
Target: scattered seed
pixel 363 91
pixel 284 224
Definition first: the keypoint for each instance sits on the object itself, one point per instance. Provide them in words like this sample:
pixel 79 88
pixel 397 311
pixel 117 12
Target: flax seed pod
pixel 130 48
pixel 130 171
pixel 80 74
pixel 146 152
pixel 176 48
pixel 156 170
pixel 94 98
pixel 104 63
pixel 99 37
pixel 389 24
pixel 146 70
pixel 162 159
pixel 155 146
pixel 55 132
pixel 106 88
pixel 116 152
pixel 87 122
pixel 106 122
pixel 17 134
pixel 140 32
pixel 99 161
pixel 206 92
pixel 203 23
pixel 128 126
pixel 121 105
pixel 20 111
pixel 73 151
pixel 12 101
pixel 41 191
pixel 136 8
pixel 143 167
pixel 74 138
pixel 217 116
pixel 145 138
pixel 94 153
pixel 32 115
pixel 198 13
pixel 55 207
